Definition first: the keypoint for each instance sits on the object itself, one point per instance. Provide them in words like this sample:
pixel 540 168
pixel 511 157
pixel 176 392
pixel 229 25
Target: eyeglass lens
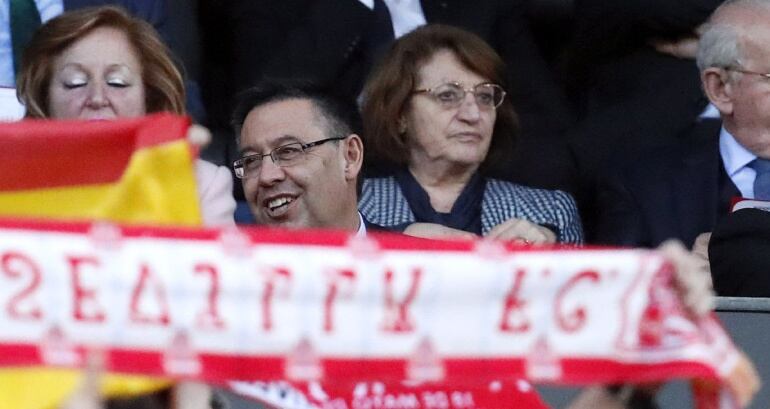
pixel 486 95
pixel 285 155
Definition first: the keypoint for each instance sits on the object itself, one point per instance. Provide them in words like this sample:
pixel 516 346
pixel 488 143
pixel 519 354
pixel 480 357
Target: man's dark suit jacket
pixel 739 253
pixel 676 191
pixel 325 41
pixel 152 11
pixel 628 96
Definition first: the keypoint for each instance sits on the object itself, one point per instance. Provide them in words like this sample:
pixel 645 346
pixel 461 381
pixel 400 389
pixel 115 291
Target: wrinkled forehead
pixel 100 46
pixel 755 45
pixel 444 66
pixel 280 122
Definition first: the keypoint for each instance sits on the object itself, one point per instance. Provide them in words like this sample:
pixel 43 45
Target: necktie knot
pixel 760 165
pixel 762 179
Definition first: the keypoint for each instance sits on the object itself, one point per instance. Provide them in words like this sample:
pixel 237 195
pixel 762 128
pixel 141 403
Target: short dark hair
pixel 339 115
pixel 389 89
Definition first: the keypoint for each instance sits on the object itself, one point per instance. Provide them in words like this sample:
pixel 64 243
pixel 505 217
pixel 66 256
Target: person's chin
pixel 288 217
pixel 98 117
pixel 469 157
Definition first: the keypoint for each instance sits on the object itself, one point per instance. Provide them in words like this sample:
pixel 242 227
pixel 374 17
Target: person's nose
pixel 97 97
pixel 469 110
pixel 270 173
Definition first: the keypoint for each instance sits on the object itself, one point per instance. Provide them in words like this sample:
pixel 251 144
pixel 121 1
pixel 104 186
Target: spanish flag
pixel 127 171
pixel 136 171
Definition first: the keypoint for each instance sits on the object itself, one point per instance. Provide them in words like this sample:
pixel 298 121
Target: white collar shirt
pixel 736 159
pixel 361 226
pixel 405 15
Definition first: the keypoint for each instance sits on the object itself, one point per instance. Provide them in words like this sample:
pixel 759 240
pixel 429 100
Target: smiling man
pixel 300 157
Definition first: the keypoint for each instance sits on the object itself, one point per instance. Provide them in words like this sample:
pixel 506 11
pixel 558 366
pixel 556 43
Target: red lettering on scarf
pixel 210 318
pixel 335 279
pixel 397 313
pixel 513 318
pixel 81 295
pixel 146 278
pixel 573 321
pixel 16 265
pixel 272 276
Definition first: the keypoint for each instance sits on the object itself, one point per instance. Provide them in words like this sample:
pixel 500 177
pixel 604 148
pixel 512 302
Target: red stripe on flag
pixel 38 154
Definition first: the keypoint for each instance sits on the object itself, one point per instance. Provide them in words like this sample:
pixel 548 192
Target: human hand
pixel 700 249
pixel 744 381
pixel 692 277
pixel 701 246
pixel 523 231
pixel 87 395
pixel 685 48
pixel 191 395
pixel 198 135
pixel 437 231
pixel 596 397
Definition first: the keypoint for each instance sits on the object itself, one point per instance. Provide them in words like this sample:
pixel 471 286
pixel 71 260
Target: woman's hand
pixel 744 380
pixel 87 395
pixel 691 274
pixel 523 231
pixel 198 135
pixel 437 231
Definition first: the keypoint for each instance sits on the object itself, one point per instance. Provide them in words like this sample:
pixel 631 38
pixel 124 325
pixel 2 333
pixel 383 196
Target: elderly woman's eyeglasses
pixel 285 155
pixel 452 94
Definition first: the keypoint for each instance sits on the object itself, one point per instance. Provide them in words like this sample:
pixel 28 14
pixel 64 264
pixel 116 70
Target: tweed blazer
pixel 382 202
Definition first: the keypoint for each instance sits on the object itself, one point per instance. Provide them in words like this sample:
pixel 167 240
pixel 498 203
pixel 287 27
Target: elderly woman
pixel 101 64
pixel 436 109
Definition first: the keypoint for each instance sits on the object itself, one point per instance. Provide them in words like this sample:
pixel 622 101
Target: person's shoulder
pixel 502 187
pixel 379 179
pixel 697 143
pixel 375 184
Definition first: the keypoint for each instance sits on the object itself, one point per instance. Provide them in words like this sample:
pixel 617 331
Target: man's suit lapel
pixel 697 187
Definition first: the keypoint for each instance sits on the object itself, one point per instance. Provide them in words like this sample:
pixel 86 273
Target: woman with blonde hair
pixel 101 63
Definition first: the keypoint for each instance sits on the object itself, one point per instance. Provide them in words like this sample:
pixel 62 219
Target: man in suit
pixel 300 158
pixel 335 43
pixel 634 82
pixel 683 189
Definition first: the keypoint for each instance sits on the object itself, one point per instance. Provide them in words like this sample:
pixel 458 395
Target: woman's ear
pixel 401 125
pixel 719 88
pixel 354 156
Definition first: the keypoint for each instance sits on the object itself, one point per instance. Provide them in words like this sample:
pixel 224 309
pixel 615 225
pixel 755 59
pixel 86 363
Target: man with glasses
pixel 300 157
pixel 682 190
